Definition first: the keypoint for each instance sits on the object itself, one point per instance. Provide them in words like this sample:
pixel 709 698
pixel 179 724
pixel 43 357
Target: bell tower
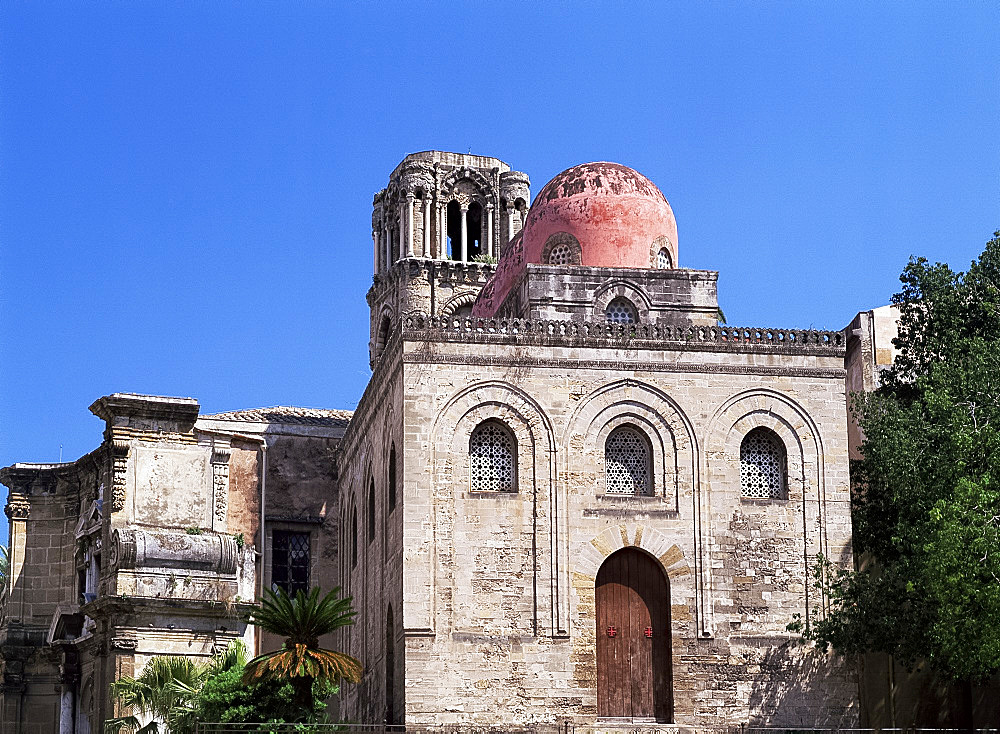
pixel 438 228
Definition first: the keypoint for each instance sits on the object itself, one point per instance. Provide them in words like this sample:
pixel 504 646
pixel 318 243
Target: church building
pixel 568 495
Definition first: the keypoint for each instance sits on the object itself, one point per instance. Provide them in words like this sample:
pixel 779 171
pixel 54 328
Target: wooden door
pixel 633 639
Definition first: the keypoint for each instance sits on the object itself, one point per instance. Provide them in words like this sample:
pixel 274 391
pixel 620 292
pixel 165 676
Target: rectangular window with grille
pixel 290 561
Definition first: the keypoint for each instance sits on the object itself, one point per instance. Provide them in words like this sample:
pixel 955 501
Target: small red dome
pixel 595 214
pixel 619 217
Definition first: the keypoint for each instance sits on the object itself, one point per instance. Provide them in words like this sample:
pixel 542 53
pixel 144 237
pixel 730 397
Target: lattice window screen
pixel 620 311
pixel 627 462
pixel 561 255
pixel 762 466
pixel 491 453
pixel 663 259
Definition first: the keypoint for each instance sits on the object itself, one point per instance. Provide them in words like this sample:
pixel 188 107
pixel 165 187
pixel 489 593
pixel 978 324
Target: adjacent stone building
pixel 567 495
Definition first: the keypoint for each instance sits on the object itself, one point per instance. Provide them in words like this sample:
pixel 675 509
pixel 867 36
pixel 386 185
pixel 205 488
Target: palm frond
pixel 301 661
pixel 165 690
pixel 304 617
pixel 302 620
pixel 234 656
pixel 127 723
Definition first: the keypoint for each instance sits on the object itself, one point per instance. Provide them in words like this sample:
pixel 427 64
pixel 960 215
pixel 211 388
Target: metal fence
pixel 211 728
pixel 561 728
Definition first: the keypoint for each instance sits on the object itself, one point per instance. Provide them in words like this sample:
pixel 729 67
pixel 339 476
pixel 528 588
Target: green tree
pixel 302 620
pixel 176 692
pixel 224 697
pixel 164 691
pixel 927 487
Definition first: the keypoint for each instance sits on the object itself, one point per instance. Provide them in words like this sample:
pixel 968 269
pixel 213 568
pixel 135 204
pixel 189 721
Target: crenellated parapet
pixel 420 327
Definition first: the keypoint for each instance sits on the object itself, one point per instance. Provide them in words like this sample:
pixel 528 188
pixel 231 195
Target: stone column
pixel 387 235
pixel 66 723
pixel 17 511
pixel 465 233
pixel 375 247
pixel 401 221
pixel 489 230
pixel 409 225
pixel 426 243
pixel 442 231
pixel 510 223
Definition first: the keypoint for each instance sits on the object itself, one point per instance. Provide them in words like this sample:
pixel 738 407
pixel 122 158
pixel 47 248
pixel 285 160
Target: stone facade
pixel 475 572
pixel 151 545
pixel 497 590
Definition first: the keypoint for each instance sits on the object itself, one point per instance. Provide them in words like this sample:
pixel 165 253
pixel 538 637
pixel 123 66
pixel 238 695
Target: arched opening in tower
pixel 473 231
pixel 454 231
pixel 521 213
pixel 474 227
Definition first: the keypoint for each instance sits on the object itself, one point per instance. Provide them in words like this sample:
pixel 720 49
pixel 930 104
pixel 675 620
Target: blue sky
pixel 185 187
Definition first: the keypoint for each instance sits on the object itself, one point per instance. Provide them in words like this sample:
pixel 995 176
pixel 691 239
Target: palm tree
pixel 302 620
pixel 161 691
pixel 167 689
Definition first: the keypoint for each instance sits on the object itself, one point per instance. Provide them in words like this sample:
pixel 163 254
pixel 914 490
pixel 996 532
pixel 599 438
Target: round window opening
pixel 620 311
pixel 561 254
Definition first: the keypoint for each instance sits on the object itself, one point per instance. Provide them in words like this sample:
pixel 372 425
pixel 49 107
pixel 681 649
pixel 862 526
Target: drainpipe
pixel 263 537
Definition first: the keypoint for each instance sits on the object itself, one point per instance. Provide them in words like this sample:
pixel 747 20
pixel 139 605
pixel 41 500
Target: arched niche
pixel 479 550
pixel 797 521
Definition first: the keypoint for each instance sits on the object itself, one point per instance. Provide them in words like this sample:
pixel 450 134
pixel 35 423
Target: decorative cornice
pixel 420 327
pixel 628 366
pixel 444 271
pixel 184 410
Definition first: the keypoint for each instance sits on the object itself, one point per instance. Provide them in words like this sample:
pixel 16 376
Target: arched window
pixel 354 536
pixel 620 311
pixel 762 465
pixel 562 248
pixel 384 330
pixel 627 462
pixel 663 259
pixel 371 509
pixel 392 478
pixel 492 452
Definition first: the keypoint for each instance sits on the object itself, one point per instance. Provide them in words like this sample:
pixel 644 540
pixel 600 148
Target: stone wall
pixel 559 292
pixel 370 564
pixel 499 604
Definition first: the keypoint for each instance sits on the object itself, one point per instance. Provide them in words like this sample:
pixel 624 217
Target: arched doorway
pixel 634 678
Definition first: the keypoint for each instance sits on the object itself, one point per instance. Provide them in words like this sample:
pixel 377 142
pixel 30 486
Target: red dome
pixel 595 214
pixel 614 212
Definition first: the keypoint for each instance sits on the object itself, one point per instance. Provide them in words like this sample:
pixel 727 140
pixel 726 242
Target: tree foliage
pixel 176 692
pixel 163 692
pixel 927 486
pixel 302 620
